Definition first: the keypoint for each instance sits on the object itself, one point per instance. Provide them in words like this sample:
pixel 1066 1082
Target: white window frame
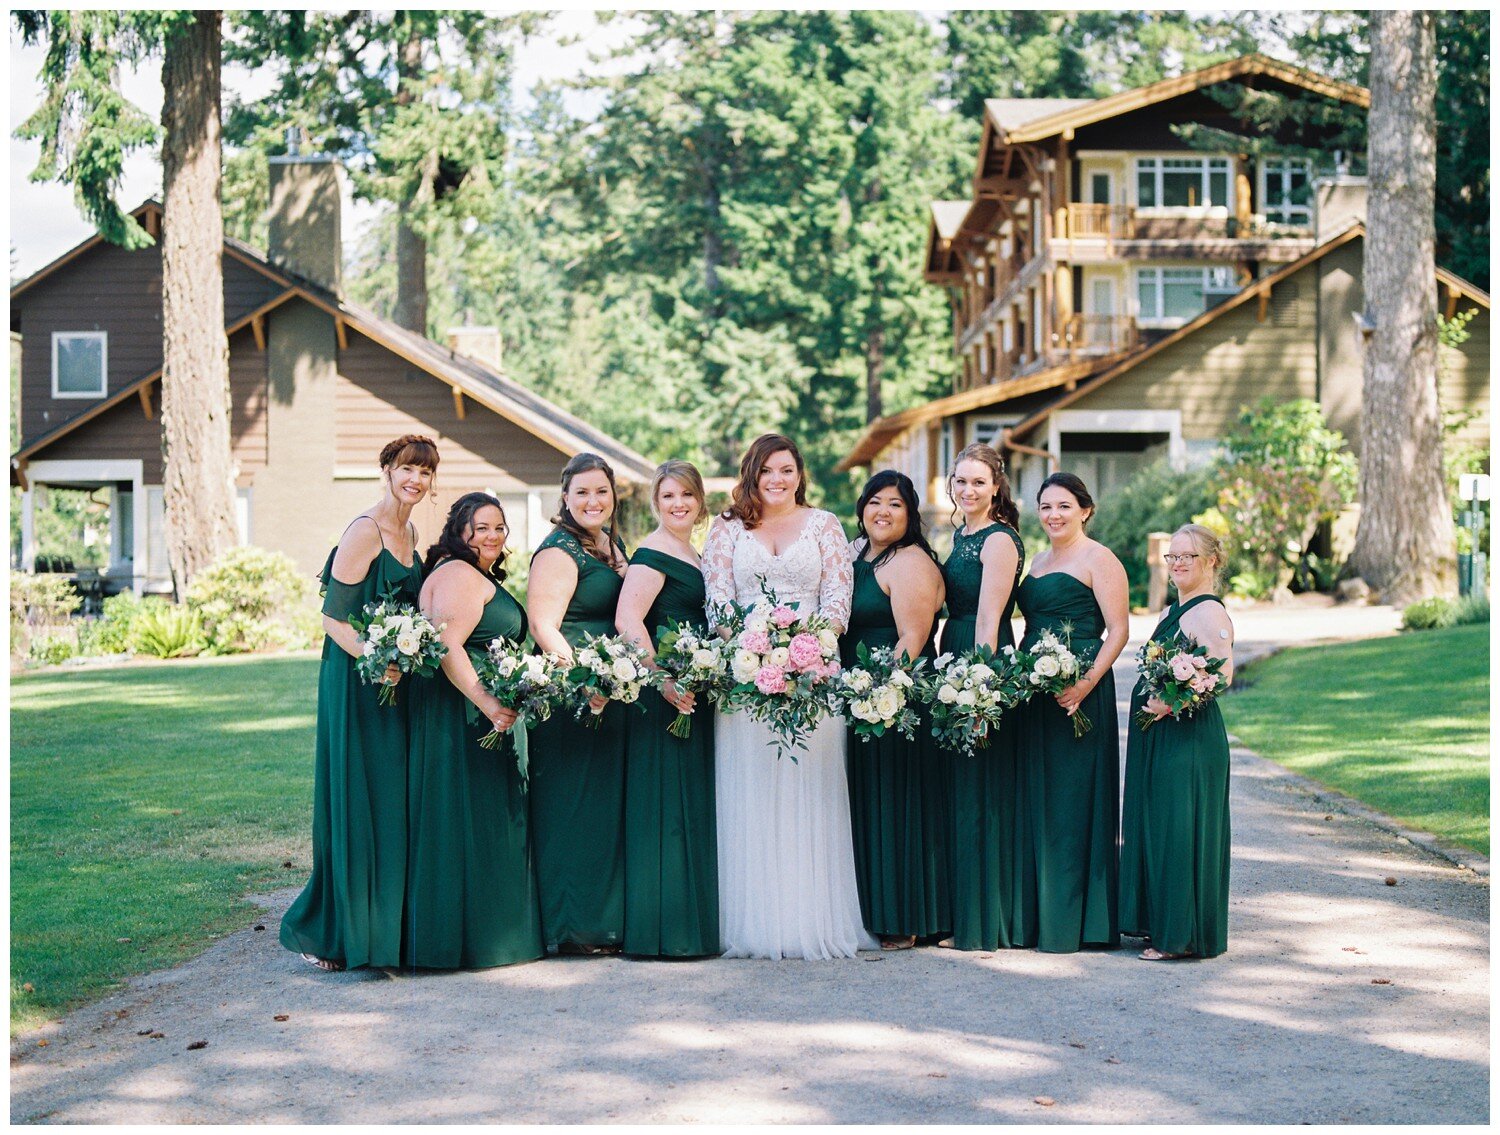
pixel 1109 176
pixel 945 448
pixel 1167 422
pixel 1300 215
pixel 1208 287
pixel 1156 164
pixel 103 338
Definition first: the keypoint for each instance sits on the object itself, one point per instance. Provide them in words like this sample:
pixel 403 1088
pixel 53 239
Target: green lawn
pixel 146 801
pixel 1400 723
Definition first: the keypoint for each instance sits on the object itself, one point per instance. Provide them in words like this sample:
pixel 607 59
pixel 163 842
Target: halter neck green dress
pixel 578 784
pixel 671 831
pixel 350 910
pixel 898 796
pixel 988 850
pixel 1070 788
pixel 471 898
pixel 1174 851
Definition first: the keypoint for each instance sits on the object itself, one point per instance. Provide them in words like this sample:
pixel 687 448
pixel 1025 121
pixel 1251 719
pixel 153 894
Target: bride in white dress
pixel 786 858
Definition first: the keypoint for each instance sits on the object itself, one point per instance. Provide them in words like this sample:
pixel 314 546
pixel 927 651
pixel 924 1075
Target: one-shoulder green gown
pixel 350 910
pixel 898 796
pixel 578 784
pixel 1174 849
pixel 471 897
pixel 1070 787
pixel 989 851
pixel 671 837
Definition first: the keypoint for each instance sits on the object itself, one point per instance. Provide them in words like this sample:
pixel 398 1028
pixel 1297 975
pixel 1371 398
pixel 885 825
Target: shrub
pixel 168 632
pixel 1438 611
pixel 51 649
pixel 1157 499
pixel 1284 474
pixel 39 605
pixel 246 599
pixel 113 631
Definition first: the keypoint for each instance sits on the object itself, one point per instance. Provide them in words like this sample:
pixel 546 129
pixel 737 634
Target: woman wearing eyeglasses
pixel 1174 854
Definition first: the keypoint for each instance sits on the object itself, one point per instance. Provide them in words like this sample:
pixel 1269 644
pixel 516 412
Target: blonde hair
pixel 1208 545
pixel 686 474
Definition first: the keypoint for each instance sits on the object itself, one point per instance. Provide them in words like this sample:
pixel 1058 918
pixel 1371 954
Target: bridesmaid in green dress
pixel 898 789
pixel 1174 851
pixel 470 889
pixel 988 850
pixel 1071 787
pixel 349 914
pixel 578 769
pixel 671 838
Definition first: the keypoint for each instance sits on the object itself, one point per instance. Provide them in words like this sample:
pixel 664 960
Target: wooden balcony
pixel 1099 222
pixel 1086 336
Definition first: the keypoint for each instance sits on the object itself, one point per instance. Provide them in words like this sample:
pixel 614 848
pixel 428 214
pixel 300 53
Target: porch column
pixel 28 528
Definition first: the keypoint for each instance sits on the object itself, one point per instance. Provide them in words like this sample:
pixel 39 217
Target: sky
pixel 44 223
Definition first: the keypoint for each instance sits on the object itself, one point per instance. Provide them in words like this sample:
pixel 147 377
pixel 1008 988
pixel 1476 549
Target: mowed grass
pixel 146 802
pixel 1400 723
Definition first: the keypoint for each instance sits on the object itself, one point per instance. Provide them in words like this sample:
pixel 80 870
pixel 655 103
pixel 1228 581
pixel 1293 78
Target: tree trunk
pixel 1404 547
pixel 411 246
pixel 198 482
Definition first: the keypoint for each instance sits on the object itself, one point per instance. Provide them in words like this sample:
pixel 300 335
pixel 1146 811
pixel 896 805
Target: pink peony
pixel 770 680
pixel 830 670
pixel 756 642
pixel 1203 683
pixel 783 616
pixel 1183 668
pixel 806 652
pixel 1200 662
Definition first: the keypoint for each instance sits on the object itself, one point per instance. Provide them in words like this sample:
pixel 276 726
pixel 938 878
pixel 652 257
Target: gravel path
pixel 1342 1000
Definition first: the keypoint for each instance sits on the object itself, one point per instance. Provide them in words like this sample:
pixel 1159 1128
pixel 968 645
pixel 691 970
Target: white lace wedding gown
pixel 786 857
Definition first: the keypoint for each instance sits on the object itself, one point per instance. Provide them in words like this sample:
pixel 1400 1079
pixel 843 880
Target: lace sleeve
pixel 718 569
pixel 836 589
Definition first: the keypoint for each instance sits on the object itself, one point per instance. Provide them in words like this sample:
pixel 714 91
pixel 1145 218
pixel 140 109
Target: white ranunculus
pixel 947 694
pixel 745 666
pixel 589 657
pixel 705 659
pixel 779 657
pixel 828 640
pixel 966 698
pixel 407 642
pixel 1047 667
pixel 623 669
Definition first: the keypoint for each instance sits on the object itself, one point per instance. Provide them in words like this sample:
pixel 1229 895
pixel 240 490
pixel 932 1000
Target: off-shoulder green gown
pixel 671 838
pixel 1174 848
pixel 471 897
pixel 350 910
pixel 578 784
pixel 1070 787
pixel 898 796
pixel 989 852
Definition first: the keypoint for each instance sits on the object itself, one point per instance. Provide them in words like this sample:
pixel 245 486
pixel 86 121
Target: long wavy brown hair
pixel 745 504
pixel 1002 504
pixel 587 463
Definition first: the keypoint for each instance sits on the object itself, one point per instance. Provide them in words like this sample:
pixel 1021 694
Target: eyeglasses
pixel 1172 560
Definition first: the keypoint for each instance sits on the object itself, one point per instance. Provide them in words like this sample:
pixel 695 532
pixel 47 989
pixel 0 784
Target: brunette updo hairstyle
pixel 410 449
pixel 1074 485
pixel 915 527
pixel 685 473
pixel 1209 546
pixel 1002 505
pixel 452 543
pixel 584 463
pixel 745 504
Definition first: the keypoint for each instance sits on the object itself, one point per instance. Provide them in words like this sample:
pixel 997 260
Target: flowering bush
pixel 246 599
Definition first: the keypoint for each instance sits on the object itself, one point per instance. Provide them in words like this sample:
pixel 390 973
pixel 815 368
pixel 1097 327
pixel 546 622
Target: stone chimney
pixel 1338 201
pixel 482 344
pixel 306 201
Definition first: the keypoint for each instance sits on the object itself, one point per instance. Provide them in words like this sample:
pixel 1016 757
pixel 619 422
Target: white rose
pixel 967 699
pixel 1068 663
pixel 407 642
pixel 369 649
pixel 859 681
pixel 589 657
pixel 705 659
pixel 1047 667
pixel 980 672
pixel 375 632
pixel 862 709
pixel 828 641
pixel 887 704
pixel 623 669
pixel 780 656
pixel 614 649
pixel 947 694
pixel 901 678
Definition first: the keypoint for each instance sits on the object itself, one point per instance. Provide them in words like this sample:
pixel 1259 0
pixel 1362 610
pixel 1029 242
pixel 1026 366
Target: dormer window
pixel 80 361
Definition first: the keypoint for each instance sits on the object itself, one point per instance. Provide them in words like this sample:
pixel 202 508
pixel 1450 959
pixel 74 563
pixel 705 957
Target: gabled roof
pixel 1012 114
pixel 947 218
pixel 485 385
pixel 148 213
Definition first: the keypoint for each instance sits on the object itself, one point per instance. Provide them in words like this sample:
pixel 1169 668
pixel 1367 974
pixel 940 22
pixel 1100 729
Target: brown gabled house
pixel 318 385
pixel 1118 296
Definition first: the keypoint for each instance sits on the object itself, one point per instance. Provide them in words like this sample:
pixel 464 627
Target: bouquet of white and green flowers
pixel 877 694
pixel 395 634
pixel 1051 666
pixel 610 667
pixel 968 694
pixel 530 684
pixel 697 663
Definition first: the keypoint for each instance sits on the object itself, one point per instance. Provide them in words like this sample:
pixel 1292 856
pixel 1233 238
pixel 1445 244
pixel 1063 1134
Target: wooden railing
pixel 1097 335
pixel 1100 222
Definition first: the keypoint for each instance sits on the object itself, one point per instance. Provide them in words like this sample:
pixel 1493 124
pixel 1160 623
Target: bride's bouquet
pixel 530 684
pixel 877 694
pixel 697 663
pixel 782 663
pixel 606 666
pixel 1181 674
pixel 395 634
pixel 1051 666
pixel 967 695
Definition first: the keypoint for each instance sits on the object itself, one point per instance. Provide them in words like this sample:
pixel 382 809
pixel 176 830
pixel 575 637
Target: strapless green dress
pixel 989 851
pixel 350 910
pixel 1174 847
pixel 578 784
pixel 898 796
pixel 1070 787
pixel 471 897
pixel 671 831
